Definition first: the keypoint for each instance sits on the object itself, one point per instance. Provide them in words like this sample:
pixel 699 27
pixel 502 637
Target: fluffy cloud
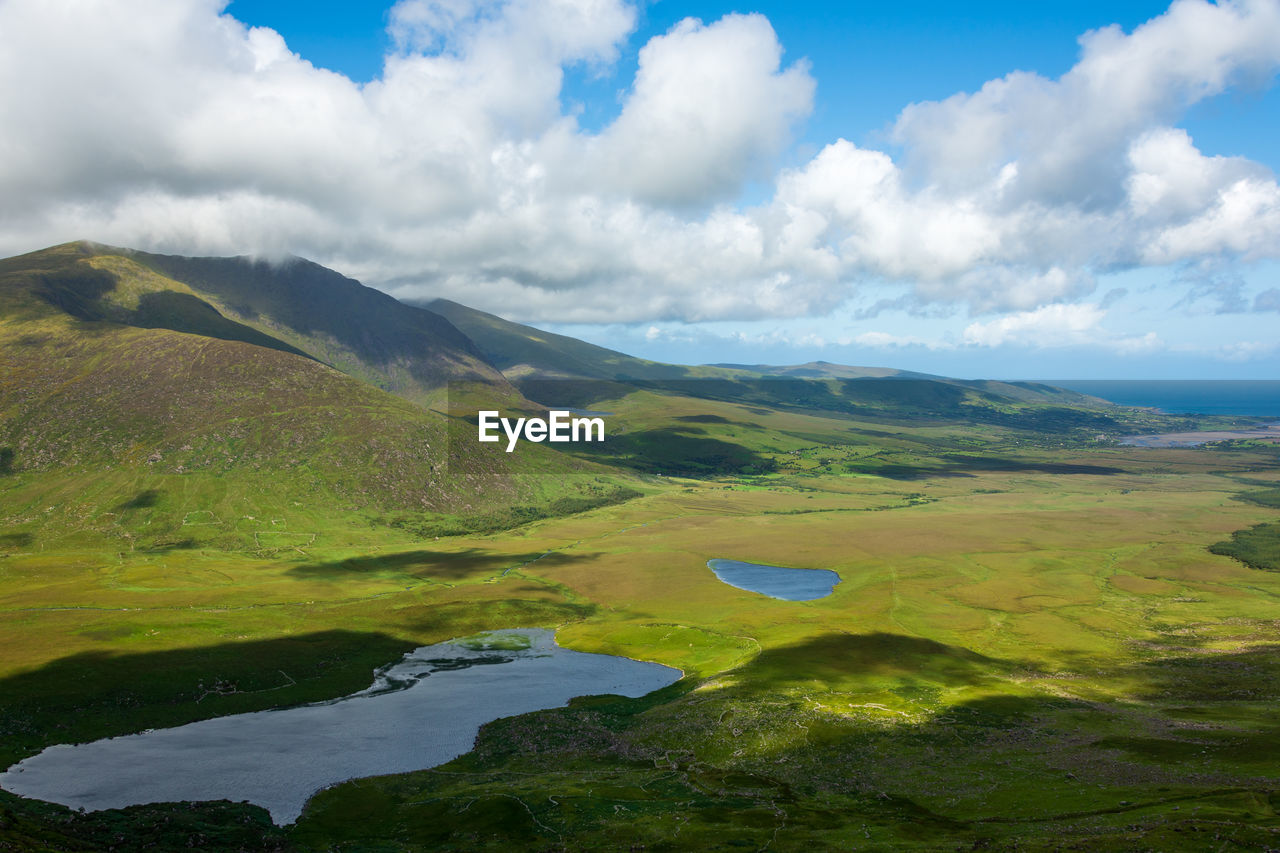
pixel 1057 326
pixel 1050 325
pixel 1069 137
pixel 1017 195
pixel 710 105
pixel 886 340
pixel 172 126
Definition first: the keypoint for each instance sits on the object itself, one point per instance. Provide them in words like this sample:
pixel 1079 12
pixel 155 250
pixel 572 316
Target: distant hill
pixel 534 360
pixel 827 370
pixel 523 352
pixel 1031 392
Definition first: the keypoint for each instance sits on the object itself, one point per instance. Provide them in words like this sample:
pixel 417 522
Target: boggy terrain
pixel 1033 642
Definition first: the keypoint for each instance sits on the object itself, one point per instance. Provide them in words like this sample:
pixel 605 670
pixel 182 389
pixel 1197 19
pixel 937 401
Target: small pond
pixel 420 712
pixel 776 581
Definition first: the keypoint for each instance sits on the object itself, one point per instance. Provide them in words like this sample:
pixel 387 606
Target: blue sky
pixel 993 189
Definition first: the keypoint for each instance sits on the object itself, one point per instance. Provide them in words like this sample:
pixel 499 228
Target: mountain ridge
pixel 405 349
pixel 534 360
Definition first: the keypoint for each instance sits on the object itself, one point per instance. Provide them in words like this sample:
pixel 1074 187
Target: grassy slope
pixel 199 431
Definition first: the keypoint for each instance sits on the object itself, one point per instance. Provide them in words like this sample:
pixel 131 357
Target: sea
pixel 1257 397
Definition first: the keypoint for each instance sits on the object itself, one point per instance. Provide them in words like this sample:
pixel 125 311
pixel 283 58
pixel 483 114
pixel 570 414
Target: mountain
pixel 134 399
pixel 523 352
pixel 411 352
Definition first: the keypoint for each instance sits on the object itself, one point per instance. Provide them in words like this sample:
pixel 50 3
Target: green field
pixel 1041 639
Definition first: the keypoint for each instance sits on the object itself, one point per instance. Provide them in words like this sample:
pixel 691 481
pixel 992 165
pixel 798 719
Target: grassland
pixel 1032 644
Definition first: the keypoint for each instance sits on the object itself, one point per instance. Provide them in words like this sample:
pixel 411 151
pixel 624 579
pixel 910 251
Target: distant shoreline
pixel 1270 432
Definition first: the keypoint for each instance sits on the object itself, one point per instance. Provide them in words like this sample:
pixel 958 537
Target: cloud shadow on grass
pixel 676 452
pixel 435 565
pixel 16 540
pixel 960 466
pixel 98 694
pixel 839 658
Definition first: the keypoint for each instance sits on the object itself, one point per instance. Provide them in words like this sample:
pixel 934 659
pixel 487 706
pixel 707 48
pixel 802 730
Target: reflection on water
pixel 420 712
pixel 776 581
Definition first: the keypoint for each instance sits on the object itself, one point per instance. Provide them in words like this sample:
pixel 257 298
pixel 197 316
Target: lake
pixel 776 581
pixel 423 711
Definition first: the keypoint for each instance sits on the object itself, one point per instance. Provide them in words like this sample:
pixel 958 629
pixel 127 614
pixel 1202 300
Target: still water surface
pixel 776 581
pixel 419 713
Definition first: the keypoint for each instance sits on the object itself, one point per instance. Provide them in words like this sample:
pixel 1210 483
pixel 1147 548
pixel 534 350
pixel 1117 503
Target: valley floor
pixel 1031 646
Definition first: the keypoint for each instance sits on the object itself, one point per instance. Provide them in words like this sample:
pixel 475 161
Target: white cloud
pixel 1069 136
pixel 710 105
pixel 1247 350
pixel 882 227
pixel 1242 219
pixel 1048 326
pixel 1169 178
pixel 1150 342
pixel 885 340
pixel 1019 194
pixel 168 125
pixel 1059 325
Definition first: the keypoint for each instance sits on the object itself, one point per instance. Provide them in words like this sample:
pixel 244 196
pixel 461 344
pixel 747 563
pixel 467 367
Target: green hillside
pixel 137 411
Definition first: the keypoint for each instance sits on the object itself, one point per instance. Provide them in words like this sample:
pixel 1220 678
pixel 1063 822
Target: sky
pixel 1005 190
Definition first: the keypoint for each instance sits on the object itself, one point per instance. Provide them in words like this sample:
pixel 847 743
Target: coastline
pixel 1269 432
